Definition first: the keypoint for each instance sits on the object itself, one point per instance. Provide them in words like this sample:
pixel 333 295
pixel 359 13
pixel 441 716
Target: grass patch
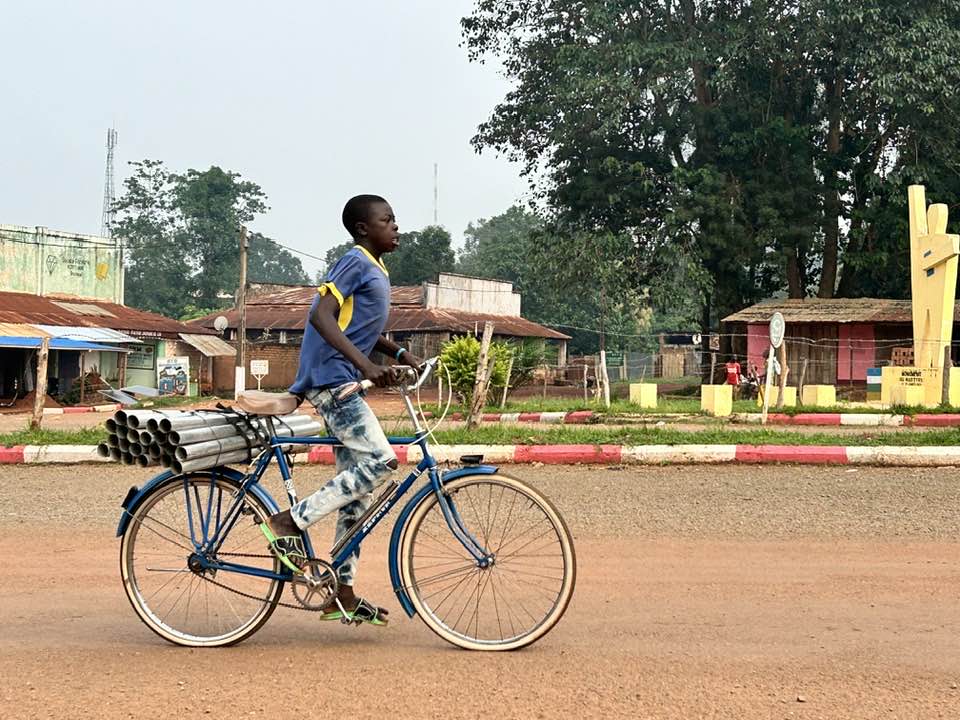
pixel 585 435
pixel 81 436
pixel 631 435
pixel 173 401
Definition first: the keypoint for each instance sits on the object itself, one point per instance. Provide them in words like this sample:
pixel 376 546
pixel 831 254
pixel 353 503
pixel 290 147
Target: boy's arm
pixel 390 348
pixel 324 320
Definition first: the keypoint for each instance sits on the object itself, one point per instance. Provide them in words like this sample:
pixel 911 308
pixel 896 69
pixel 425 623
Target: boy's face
pixel 380 229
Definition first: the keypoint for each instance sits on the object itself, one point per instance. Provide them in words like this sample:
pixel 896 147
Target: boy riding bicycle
pixel 345 324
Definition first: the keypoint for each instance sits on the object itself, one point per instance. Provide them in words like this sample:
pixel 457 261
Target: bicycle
pixel 485 560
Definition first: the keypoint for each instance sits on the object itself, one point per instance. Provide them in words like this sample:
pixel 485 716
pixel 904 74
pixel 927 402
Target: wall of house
pixel 44 262
pixel 284 361
pixel 472 295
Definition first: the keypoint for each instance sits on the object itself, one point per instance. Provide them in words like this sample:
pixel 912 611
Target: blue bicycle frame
pixel 214 533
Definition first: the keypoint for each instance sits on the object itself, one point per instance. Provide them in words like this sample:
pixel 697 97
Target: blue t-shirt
pixel 361 285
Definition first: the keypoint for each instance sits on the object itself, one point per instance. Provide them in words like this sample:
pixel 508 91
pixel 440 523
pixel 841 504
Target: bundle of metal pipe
pixel 185 441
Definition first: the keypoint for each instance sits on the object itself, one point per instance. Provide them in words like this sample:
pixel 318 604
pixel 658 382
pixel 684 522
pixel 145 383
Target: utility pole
pixel 240 376
pixel 436 193
pixel 40 388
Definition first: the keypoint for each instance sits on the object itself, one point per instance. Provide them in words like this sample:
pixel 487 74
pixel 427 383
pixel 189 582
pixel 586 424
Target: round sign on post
pixel 777 329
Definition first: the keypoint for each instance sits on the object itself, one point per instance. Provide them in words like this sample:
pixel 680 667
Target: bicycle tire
pixel 419 550
pixel 169 540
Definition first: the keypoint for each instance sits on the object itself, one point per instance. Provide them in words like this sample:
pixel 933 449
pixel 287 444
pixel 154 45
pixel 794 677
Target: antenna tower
pixel 106 222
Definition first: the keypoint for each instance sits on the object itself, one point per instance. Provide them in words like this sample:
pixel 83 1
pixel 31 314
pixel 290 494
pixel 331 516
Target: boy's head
pixel 370 218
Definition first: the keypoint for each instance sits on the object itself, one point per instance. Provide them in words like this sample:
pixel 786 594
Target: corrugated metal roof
pixel 286 309
pixel 209 345
pixel 90 334
pixel 57 344
pixel 54 310
pixel 21 330
pixel 831 310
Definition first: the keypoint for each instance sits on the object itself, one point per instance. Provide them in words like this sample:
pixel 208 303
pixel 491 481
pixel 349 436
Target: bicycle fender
pixel 136 495
pixel 394 555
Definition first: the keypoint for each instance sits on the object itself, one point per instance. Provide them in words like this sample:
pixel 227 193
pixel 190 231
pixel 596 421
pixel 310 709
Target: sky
pixel 313 101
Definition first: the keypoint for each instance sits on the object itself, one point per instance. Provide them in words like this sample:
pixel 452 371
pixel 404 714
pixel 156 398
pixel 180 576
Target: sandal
pixel 363 612
pixel 289 549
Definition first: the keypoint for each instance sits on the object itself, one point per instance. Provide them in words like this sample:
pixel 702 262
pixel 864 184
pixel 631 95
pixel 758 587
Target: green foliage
pixel 268 262
pixel 421 255
pixel 460 356
pixel 181 233
pixel 754 147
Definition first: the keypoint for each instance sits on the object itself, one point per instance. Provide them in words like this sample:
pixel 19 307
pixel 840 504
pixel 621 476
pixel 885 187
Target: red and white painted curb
pixel 586 454
pixel 112 407
pixel 576 417
pixel 854 419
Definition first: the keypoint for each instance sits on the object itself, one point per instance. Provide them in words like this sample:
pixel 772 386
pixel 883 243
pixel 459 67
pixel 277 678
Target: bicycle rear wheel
pixel 520 596
pixel 169 589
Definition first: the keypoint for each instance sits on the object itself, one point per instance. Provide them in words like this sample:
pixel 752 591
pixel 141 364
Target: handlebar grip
pixel 353 388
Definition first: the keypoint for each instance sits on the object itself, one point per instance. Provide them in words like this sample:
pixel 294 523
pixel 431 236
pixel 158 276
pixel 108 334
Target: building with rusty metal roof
pixel 119 344
pixel 422 317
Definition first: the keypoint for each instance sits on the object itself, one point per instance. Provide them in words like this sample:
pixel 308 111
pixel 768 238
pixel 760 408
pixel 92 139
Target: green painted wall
pixel 44 262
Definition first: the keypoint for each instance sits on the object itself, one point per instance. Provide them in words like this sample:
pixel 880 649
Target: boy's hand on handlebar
pixel 380 375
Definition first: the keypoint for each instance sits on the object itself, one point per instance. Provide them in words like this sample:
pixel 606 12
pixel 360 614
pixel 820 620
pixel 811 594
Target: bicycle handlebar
pixel 410 372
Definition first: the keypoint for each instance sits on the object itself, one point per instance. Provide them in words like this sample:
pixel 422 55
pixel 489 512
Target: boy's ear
pixel 361 229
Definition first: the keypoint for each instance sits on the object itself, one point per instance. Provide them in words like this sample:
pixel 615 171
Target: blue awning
pixel 55 344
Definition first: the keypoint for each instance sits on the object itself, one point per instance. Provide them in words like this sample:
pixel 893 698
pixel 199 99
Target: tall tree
pixel 756 139
pixel 181 232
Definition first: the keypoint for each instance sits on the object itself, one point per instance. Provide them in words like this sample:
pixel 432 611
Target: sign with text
pixel 173 375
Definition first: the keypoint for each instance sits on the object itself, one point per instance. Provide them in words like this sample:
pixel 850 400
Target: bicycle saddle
pixel 257 402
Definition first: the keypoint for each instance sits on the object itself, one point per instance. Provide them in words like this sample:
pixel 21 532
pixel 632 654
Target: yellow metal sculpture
pixel 933 283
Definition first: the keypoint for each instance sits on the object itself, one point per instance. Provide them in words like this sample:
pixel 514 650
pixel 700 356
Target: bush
pixel 460 356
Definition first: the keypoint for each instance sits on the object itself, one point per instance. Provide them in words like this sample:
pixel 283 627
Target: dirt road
pixel 732 592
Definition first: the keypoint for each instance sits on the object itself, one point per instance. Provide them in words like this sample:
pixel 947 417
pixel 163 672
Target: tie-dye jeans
pixel 363 463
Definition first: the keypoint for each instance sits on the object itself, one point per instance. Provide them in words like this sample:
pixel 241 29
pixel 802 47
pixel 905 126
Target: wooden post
pixel 585 380
pixel 803 377
pixel 597 379
pixel 545 370
pixel 947 364
pixel 440 391
pixel 240 372
pixel 40 389
pixel 506 384
pixel 483 378
pixel 606 378
pixel 83 368
pixel 624 373
pixel 122 362
pixel 713 367
pixel 784 371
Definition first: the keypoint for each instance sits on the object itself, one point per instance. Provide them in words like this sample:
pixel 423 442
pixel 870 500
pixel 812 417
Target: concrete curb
pixel 922 456
pixel 854 419
pixel 575 417
pixel 85 409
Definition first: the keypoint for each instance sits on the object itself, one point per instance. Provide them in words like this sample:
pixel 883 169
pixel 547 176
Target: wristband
pixel 400 351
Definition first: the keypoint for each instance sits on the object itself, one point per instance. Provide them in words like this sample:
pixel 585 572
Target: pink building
pixel 839 338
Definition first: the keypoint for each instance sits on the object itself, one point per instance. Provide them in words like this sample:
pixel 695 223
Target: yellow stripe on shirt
pixel 345 315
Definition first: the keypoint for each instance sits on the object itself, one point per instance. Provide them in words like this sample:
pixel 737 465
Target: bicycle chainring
pixel 317 587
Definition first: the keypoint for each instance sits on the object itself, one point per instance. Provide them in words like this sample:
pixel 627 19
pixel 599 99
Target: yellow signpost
pixel 933 282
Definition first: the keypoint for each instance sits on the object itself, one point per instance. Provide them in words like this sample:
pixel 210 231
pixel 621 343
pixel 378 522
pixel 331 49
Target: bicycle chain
pixel 281 603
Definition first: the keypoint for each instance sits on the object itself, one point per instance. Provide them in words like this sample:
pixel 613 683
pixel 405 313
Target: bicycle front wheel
pixel 183 600
pixel 516 599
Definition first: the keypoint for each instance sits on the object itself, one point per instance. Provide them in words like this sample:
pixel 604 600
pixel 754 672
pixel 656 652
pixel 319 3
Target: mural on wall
pixel 43 262
pixel 172 375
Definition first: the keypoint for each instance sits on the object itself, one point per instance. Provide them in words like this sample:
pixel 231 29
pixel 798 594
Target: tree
pixel 182 232
pixel 421 255
pixel 158 265
pixel 754 143
pixel 268 262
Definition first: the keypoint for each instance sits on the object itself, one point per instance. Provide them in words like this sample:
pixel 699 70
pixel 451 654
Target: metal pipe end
pixel 103 450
